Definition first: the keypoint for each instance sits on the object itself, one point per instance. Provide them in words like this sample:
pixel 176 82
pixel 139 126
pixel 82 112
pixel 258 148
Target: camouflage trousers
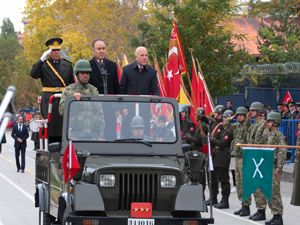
pixel 276 203
pixel 239 182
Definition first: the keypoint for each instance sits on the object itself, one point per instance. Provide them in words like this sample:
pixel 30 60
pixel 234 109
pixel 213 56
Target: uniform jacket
pixel 277 138
pixel 76 88
pixel 221 141
pixel 240 131
pixel 134 82
pixel 23 134
pixel 96 79
pixel 256 134
pixel 41 70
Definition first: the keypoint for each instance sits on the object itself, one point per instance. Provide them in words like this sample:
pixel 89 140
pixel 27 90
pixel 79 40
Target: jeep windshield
pixel 103 121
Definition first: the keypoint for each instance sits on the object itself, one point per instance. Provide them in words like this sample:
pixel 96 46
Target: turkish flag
pixel 176 64
pixel 70 162
pixel 287 98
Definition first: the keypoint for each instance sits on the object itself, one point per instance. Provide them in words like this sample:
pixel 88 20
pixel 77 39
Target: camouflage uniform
pixel 257 135
pixel 276 138
pixel 187 128
pixel 239 136
pixel 87 89
pixel 88 112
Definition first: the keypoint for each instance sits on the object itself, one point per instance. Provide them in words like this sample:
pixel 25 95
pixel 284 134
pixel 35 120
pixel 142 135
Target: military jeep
pixel 133 167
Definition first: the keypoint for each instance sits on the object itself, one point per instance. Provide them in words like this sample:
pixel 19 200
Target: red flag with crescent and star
pixel 176 65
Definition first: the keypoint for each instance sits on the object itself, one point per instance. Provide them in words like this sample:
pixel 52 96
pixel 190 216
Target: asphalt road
pixel 17 194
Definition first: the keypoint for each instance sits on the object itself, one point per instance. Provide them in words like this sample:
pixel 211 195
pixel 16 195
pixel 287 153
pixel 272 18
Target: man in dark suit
pixel 20 135
pixel 138 78
pixel 104 75
pixel 55 73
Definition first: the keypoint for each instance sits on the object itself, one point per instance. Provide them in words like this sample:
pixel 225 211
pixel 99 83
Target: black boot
pixel 276 220
pixel 259 215
pixel 245 210
pixel 214 201
pixel 238 211
pixel 224 204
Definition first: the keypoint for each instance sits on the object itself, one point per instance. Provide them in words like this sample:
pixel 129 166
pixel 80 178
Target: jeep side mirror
pixel 54 147
pixel 186 148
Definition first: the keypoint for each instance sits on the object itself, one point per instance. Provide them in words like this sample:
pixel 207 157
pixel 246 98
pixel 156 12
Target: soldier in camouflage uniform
pixel 82 87
pixel 256 135
pixel 240 136
pixel 276 138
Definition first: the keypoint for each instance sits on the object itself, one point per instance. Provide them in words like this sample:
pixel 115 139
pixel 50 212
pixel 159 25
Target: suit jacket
pixel 96 79
pixel 134 82
pixel 23 134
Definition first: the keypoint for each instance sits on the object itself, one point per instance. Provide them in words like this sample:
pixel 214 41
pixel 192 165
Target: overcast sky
pixel 13 10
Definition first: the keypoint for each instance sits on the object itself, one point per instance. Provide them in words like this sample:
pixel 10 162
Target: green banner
pixel 257 171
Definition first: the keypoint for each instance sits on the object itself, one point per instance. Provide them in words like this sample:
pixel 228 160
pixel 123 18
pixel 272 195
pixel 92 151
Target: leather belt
pixel 53 89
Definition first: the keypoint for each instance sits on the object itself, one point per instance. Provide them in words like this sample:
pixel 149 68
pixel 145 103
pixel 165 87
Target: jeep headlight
pixel 168 181
pixel 107 180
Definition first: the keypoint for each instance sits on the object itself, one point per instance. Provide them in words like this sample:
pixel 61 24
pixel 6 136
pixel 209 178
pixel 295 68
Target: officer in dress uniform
pixel 55 73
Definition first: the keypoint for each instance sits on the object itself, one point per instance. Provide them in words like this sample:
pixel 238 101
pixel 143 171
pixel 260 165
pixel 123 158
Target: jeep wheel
pixel 47 219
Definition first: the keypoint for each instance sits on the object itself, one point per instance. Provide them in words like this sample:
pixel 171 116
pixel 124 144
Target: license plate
pixel 140 221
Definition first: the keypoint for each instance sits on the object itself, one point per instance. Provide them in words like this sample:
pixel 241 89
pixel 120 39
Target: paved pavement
pixel 17 193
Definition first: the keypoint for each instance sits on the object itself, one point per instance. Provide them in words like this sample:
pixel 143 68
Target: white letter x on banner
pixel 257 167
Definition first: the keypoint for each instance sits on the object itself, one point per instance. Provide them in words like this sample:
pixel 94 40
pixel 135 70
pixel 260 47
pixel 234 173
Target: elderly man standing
pixel 55 73
pixel 138 78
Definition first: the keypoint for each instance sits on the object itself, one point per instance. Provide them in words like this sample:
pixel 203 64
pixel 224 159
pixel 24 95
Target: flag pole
pixel 69 173
pixel 267 146
pixel 210 168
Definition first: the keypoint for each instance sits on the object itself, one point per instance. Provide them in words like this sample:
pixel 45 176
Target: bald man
pixel 138 78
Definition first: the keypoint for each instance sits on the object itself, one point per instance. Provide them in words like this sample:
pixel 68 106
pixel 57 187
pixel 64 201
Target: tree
pixel 7 27
pixel 279 38
pixel 202 27
pixel 79 22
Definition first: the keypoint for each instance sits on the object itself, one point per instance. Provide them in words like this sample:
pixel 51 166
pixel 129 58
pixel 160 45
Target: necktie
pixel 20 128
pixel 140 69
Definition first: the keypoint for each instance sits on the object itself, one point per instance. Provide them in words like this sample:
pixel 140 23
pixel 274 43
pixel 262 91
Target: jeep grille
pixel 137 187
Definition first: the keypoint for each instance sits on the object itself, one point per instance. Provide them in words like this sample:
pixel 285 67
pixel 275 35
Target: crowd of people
pixel 224 135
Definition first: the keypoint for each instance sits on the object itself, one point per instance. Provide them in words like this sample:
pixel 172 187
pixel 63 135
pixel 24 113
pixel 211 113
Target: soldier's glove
pixel 45 54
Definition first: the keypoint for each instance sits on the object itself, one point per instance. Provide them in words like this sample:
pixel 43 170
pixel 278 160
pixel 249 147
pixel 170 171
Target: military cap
pixel 137 122
pixel 54 43
pixel 257 106
pixel 297 103
pixel 241 111
pixel 274 116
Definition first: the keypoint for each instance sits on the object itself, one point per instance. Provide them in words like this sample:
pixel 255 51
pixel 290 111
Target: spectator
pixel 269 109
pixel 229 106
pixel 293 113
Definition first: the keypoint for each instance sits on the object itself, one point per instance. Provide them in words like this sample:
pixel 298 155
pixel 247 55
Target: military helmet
pixel 82 65
pixel 274 116
pixel 200 111
pixel 241 111
pixel 257 106
pixel 137 122
pixel 220 109
pixel 228 113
